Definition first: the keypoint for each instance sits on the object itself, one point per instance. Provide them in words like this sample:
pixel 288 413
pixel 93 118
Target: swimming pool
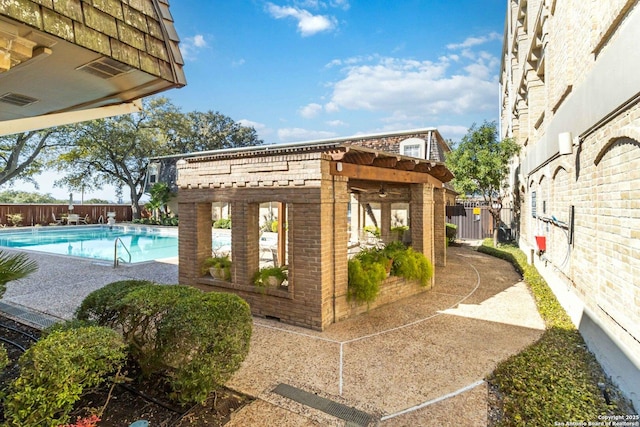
pixel 96 242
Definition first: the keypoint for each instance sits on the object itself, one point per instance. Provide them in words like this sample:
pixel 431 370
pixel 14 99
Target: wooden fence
pixel 42 214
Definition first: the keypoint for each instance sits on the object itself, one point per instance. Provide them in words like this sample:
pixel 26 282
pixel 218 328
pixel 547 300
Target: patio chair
pixel 86 220
pixel 56 221
pixel 73 218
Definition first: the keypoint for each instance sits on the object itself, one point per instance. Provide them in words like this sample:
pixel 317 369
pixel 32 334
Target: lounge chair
pixel 56 221
pixel 85 220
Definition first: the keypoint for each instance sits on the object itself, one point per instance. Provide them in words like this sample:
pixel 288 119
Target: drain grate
pixel 40 321
pixel 344 412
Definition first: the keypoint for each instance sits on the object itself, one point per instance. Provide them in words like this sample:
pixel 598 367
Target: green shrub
pixel 452 232
pixel 191 340
pixel 214 326
pixel 103 305
pixel 370 267
pixel 222 223
pixel 412 265
pixel 140 312
pixel 364 280
pixel 56 370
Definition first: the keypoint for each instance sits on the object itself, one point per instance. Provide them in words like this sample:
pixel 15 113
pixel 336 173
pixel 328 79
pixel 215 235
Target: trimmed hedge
pixel 56 370
pixel 103 306
pixel 555 379
pixel 191 340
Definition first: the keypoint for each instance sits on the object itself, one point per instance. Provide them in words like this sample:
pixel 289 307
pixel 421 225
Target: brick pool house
pixel 313 185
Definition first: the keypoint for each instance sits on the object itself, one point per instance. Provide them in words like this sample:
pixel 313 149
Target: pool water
pixel 96 242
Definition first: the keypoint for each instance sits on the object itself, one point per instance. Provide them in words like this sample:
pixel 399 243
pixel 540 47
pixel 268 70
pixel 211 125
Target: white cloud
pixel 190 46
pixel 453 132
pixel 475 41
pixel 238 63
pixel 308 24
pixel 411 90
pixel 331 107
pixel 336 123
pixel 198 41
pixel 299 134
pixel 340 4
pixel 310 111
pixel 263 130
pixel 249 123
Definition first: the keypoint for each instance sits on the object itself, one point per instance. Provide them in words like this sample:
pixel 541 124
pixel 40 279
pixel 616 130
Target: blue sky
pixel 299 70
pixel 314 69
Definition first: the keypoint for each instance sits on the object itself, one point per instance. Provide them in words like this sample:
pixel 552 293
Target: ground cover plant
pixel 556 379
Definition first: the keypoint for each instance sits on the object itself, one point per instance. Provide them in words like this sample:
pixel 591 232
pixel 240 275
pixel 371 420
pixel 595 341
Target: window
pixel 533 204
pixel 413 147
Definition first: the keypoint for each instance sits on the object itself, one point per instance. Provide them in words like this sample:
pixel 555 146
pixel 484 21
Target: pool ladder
pixel 116 257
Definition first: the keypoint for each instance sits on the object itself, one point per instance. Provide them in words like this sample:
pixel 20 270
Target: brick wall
pixel 600 179
pixel 317 232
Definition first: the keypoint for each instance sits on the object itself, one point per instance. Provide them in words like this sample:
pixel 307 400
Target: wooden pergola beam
pixel 373 173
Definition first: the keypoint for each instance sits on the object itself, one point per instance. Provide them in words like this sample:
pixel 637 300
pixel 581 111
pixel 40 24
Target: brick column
pixel 245 244
pixel 194 239
pixel 306 270
pixel 333 306
pixel 422 219
pixel 439 227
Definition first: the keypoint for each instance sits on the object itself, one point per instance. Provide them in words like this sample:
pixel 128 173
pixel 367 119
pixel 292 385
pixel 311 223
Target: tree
pixel 116 150
pixel 22 155
pixel 160 195
pixel 480 164
pixel 15 196
pixel 198 131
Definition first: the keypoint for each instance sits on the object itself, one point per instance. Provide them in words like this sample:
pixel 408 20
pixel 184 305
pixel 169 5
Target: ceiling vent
pixel 17 99
pixel 105 68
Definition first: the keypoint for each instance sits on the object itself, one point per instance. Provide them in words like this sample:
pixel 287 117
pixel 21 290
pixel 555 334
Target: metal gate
pixel 474 221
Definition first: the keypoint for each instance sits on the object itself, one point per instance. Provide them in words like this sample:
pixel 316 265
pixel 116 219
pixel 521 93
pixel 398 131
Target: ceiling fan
pixel 382 192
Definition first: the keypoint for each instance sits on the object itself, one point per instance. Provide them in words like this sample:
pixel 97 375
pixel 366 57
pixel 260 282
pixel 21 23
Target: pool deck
pixel 62 282
pixel 420 361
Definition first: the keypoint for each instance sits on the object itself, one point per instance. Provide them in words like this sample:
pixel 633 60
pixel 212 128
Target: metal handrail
pixel 116 258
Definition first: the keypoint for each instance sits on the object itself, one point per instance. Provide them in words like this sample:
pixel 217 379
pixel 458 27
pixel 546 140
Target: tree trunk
pixel 135 202
pixel 496 227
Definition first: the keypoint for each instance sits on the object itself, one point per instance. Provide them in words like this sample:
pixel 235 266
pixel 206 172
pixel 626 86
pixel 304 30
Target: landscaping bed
pixel 129 403
pixel 555 380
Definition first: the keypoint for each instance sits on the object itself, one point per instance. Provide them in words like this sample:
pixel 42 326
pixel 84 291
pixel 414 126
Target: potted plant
pixel 218 266
pixel 270 277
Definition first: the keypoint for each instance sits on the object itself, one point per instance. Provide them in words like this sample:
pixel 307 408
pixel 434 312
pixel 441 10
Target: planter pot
pixel 217 273
pixel 274 281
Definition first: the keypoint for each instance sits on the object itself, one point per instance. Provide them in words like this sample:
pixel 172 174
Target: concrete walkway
pixel 418 362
